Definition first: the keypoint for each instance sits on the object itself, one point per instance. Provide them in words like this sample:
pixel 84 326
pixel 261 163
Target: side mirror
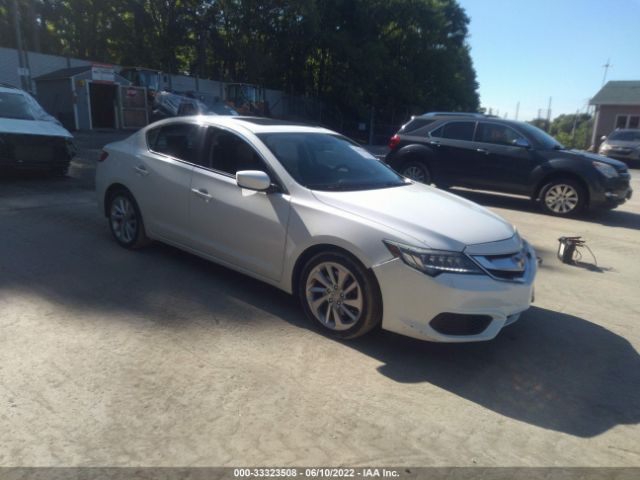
pixel 521 142
pixel 253 180
pixel 603 138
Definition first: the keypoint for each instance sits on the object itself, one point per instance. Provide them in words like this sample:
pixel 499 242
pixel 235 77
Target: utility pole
pixel 23 72
pixel 517 109
pixel 35 30
pixel 606 67
pixel 372 116
pixel 573 129
pixel 549 116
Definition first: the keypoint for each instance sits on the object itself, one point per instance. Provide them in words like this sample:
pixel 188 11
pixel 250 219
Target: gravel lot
pixel 115 358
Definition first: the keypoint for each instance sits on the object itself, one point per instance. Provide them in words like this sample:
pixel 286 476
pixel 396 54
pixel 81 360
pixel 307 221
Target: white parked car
pixel 30 138
pixel 311 212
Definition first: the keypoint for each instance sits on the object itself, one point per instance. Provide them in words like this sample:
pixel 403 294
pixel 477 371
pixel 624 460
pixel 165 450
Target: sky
pixel 529 50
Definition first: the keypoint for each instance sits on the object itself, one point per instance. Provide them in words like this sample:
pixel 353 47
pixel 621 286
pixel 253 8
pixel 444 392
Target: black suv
pixel 489 153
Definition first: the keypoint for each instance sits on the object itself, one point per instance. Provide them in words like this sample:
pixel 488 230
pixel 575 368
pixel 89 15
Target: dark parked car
pixel 622 144
pixel 489 153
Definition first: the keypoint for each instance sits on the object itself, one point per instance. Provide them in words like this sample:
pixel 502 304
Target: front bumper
pixel 25 151
pixel 415 304
pixel 612 192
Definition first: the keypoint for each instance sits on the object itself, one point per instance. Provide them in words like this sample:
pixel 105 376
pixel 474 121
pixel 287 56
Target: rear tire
pixel 563 197
pixel 416 171
pixel 125 220
pixel 340 295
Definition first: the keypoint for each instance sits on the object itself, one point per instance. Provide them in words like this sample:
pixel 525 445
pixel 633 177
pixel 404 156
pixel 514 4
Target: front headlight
pixel 433 262
pixel 605 169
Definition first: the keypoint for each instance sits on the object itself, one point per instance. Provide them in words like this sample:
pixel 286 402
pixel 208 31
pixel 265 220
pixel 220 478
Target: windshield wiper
pixel 329 187
pixel 392 184
pixel 356 186
pixel 375 186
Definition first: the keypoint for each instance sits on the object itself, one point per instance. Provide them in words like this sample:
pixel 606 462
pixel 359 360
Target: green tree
pixel 572 130
pixel 400 57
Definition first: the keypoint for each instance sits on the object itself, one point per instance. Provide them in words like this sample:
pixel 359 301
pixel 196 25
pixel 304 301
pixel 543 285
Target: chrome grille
pixel 511 266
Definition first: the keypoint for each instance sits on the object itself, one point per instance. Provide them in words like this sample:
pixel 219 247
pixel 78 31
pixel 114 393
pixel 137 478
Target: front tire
pixel 340 295
pixel 563 197
pixel 416 171
pixel 125 221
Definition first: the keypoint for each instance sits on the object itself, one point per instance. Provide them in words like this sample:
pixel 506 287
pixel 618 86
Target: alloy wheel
pixel 334 296
pixel 415 173
pixel 561 198
pixel 124 221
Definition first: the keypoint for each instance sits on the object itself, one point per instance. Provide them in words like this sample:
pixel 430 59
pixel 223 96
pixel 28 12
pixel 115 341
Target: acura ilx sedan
pixel 314 214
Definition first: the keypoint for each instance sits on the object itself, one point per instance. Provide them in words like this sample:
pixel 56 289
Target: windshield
pixel 543 139
pixel 329 162
pixel 14 105
pixel 628 136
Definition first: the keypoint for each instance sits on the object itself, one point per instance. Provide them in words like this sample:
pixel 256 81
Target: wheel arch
pixel 561 174
pixel 412 153
pixel 315 249
pixel 113 188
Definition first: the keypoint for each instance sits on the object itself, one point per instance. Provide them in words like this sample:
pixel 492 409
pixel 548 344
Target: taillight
pixel 394 142
pixel 103 155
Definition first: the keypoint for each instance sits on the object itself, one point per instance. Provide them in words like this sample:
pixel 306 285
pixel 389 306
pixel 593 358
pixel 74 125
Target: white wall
pixel 39 63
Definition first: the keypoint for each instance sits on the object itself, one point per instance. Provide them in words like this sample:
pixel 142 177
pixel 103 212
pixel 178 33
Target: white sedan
pixel 311 212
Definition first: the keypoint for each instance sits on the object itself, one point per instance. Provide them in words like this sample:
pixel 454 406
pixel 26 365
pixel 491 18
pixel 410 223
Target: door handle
pixel 434 143
pixel 201 192
pixel 482 150
pixel 141 170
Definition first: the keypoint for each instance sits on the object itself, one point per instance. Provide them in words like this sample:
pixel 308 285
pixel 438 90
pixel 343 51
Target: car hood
pixel 433 217
pixel 33 127
pixel 587 156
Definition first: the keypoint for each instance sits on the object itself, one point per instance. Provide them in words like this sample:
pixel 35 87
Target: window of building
pixel 628 121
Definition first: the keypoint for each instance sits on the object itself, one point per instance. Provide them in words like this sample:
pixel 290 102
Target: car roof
pixel 7 88
pixel 472 117
pixel 255 125
pixel 453 114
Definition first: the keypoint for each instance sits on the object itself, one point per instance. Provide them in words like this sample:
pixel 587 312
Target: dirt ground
pixel 115 358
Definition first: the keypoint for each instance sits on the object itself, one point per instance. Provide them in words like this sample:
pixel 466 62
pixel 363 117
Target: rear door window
pixel 455 131
pixel 416 124
pixel 177 140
